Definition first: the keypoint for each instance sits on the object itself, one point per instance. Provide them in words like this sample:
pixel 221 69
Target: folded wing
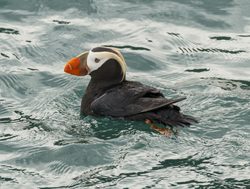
pixel 130 99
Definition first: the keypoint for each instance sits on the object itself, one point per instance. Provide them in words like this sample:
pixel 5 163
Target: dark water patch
pixel 227 183
pixel 193 182
pixel 229 84
pixel 29 120
pixel 128 47
pixel 219 38
pixel 95 177
pixel 188 161
pixel 149 40
pixel 35 123
pixel 224 84
pixel 220 50
pixel 9 31
pixel 245 85
pixel 198 70
pixel 5 55
pixel 101 128
pixel 28 41
pixel 64 142
pixel 61 22
pixel 5 120
pixel 7 179
pixel 18 170
pixel 16 56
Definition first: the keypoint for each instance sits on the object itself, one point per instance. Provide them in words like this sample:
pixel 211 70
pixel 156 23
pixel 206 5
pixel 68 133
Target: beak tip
pixel 66 68
pixel 73 67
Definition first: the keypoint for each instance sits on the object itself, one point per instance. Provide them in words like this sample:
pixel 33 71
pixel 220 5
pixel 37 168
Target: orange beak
pixel 74 67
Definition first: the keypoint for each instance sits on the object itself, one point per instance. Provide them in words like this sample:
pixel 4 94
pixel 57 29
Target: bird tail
pixel 187 120
pixel 172 117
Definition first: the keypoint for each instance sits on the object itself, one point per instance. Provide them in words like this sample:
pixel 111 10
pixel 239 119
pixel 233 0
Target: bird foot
pixel 164 131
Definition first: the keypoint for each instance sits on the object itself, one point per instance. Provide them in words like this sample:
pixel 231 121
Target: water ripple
pixel 128 47
pixel 197 49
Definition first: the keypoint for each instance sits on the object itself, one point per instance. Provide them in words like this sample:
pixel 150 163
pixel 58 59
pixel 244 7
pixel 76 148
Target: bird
pixel 110 94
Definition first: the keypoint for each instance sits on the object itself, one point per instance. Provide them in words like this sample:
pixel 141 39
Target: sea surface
pixel 194 48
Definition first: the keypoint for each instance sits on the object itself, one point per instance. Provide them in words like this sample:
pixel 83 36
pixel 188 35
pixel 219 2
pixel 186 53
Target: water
pixel 199 49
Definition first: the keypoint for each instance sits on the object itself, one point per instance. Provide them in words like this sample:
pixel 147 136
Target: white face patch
pixel 95 60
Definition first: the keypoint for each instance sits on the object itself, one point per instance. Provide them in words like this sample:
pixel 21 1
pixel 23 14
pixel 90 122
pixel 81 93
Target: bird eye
pixel 97 60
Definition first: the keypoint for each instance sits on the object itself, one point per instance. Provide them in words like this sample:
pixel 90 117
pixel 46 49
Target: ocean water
pixel 198 49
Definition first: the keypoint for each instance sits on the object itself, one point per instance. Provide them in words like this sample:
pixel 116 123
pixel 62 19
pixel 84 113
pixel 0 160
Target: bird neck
pixel 107 76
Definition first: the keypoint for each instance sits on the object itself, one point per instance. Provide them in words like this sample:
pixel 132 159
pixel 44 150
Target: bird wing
pixel 130 99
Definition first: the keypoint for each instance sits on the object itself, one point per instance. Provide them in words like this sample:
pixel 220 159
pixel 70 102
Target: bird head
pixel 104 60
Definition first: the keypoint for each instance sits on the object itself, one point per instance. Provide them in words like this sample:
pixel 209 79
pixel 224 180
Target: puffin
pixel 110 94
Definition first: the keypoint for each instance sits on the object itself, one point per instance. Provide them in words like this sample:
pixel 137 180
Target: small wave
pixel 246 35
pixel 33 69
pixel 13 82
pixel 5 55
pixel 192 50
pixel 183 46
pixel 6 136
pixel 173 34
pixel 209 50
pixel 59 167
pixel 20 171
pixel 220 50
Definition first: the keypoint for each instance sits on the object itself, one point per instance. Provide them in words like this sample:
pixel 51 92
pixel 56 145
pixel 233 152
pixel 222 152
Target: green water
pixel 199 49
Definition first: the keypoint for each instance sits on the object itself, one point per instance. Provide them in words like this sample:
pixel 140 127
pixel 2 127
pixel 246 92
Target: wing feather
pixel 130 99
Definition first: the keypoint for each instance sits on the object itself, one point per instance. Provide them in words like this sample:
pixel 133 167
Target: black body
pixel 109 95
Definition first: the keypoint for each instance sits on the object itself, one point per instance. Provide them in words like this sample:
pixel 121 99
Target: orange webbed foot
pixel 164 131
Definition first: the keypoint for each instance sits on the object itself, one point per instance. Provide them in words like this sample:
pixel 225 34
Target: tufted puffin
pixel 110 94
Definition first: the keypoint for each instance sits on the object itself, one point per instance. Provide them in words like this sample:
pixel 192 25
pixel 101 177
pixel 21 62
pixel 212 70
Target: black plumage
pixel 108 94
